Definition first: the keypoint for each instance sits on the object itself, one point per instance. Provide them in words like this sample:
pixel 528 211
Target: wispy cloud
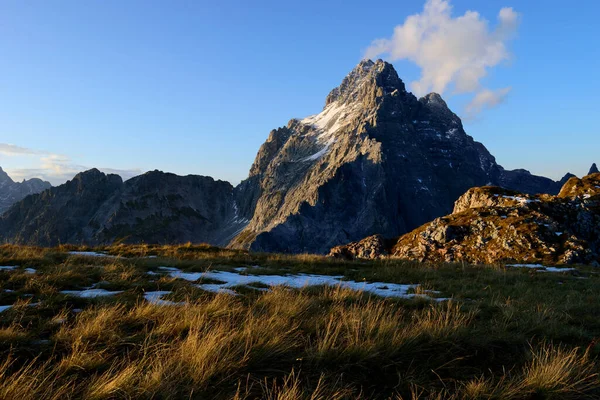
pixel 486 99
pixel 13 150
pixel 55 168
pixel 453 52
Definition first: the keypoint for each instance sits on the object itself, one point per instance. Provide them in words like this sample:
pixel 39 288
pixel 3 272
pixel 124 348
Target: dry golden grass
pixel 508 335
pixel 557 372
pixel 145 349
pixel 12 334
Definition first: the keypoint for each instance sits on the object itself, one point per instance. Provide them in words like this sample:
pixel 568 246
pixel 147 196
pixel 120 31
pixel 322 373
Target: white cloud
pixel 486 99
pixel 12 150
pixel 452 52
pixel 55 168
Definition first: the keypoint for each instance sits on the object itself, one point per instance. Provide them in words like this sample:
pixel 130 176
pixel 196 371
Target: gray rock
pixel 12 192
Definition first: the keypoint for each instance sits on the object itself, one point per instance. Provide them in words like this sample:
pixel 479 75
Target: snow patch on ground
pixel 91 254
pixel 156 298
pixel 216 288
pixel 520 199
pixel 232 279
pixel 177 273
pixel 541 268
pixel 91 293
pixel 13 267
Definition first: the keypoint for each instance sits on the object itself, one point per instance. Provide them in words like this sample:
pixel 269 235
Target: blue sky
pixel 194 87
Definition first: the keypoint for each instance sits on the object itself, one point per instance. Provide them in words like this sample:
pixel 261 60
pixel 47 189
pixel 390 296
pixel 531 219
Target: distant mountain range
pixel 376 160
pixel 97 208
pixel 11 191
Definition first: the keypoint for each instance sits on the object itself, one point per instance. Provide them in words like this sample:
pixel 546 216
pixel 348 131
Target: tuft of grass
pixel 557 372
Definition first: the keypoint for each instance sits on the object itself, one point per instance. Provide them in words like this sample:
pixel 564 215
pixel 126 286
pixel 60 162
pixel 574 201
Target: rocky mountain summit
pixel 96 208
pixel 491 224
pixel 375 160
pixel 11 191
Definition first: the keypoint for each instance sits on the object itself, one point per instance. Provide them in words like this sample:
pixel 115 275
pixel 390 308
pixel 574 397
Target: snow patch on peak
pixel 320 153
pixel 330 120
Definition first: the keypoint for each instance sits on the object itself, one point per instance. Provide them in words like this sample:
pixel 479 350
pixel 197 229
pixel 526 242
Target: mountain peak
pixel 4 178
pixel 434 99
pixel 94 177
pixel 593 169
pixel 89 174
pixel 365 65
pixel 379 73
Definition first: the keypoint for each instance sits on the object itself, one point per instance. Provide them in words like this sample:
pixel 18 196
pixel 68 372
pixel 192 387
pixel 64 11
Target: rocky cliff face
pixel 491 224
pixel 156 207
pixel 11 191
pixel 375 160
pixel 160 207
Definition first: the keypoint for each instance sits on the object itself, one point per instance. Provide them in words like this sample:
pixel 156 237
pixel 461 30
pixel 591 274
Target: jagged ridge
pixel 12 192
pixel 157 207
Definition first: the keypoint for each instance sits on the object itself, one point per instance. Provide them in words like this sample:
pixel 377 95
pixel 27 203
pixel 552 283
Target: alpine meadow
pixel 376 249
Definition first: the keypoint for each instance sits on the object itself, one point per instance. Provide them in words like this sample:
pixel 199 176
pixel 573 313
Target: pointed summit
pixel 434 99
pixel 4 178
pixel 365 75
pixel 593 169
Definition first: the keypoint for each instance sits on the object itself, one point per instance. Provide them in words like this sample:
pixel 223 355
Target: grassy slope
pixel 507 333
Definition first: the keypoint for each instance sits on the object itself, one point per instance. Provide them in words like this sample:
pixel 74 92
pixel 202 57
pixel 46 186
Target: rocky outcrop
pixel 593 169
pixel 490 225
pixel 369 248
pixel 157 207
pixel 12 192
pixel 376 160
